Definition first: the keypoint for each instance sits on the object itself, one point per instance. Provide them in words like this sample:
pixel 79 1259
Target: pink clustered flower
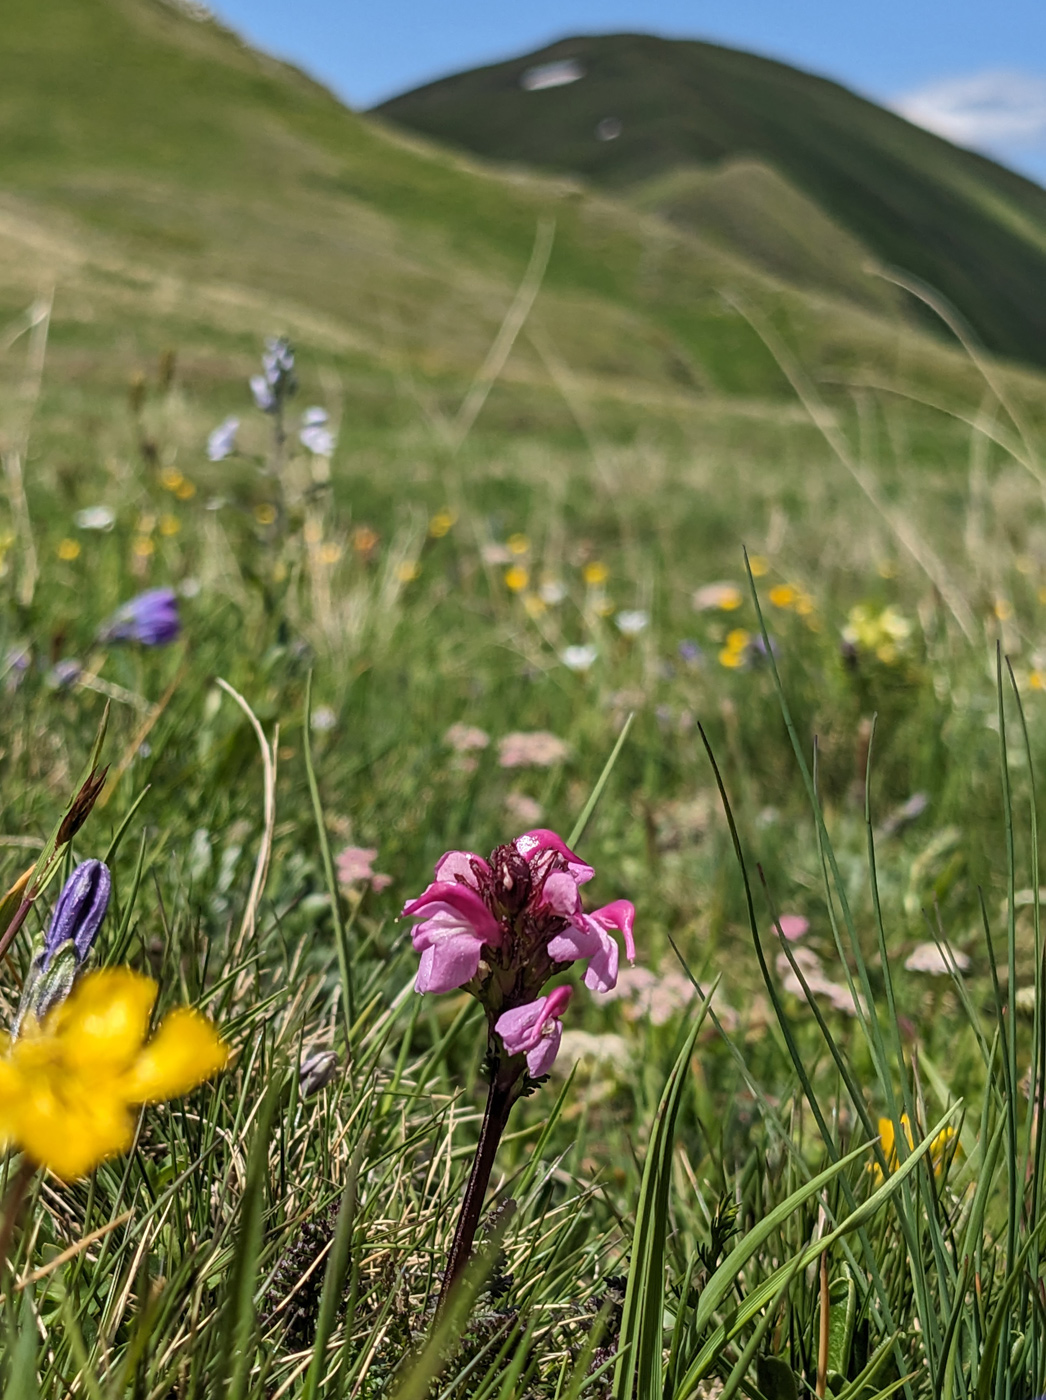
pixel 534 749
pixel 501 928
pixel 354 868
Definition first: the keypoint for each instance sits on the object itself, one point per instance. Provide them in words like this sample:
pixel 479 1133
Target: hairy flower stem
pixel 12 1207
pixel 506 1083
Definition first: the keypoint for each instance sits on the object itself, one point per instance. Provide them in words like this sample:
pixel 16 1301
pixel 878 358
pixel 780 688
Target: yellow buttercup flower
pixel 68 1086
pixel 783 595
pixel 518 544
pixel 595 574
pixel 68 549
pixel 516 578
pixel 888 1137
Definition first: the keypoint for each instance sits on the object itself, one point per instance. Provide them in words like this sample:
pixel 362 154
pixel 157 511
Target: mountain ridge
pixel 973 229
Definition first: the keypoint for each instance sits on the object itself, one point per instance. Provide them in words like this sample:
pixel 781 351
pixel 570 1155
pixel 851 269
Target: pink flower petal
pixel 541 839
pixel 621 914
pixel 460 903
pixel 560 894
pixel 458 866
pixel 448 963
pixel 535 1030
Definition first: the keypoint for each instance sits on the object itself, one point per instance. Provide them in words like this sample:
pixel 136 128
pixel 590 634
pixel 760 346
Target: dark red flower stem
pixel 505 1085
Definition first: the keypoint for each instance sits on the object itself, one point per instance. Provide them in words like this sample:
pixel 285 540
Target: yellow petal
pixel 102 1025
pixel 69 1126
pixel 184 1052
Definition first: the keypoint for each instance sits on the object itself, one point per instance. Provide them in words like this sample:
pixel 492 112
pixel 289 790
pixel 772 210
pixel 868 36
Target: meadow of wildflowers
pixel 722 1074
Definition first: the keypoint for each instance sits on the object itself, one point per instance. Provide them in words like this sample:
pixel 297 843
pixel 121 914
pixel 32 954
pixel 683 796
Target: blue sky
pixel 974 71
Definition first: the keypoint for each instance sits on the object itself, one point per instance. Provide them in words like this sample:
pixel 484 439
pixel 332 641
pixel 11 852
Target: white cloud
pixel 989 111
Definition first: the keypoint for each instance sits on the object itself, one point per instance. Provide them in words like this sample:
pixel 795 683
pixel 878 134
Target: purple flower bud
pixel 151 618
pixel 80 910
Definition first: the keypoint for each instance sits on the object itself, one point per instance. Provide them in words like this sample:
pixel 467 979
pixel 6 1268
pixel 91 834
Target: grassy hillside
pixel 974 230
pixel 493 552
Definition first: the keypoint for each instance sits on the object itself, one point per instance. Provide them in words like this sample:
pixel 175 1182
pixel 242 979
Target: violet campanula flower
pixel 75 921
pixel 150 618
pixel 501 928
pixel 79 911
pixel 535 1030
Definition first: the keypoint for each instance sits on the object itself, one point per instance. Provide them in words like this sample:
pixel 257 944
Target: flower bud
pixel 80 910
pixel 315 1072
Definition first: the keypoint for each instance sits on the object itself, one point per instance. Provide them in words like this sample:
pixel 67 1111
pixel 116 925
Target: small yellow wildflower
pixel 142 546
pixel 169 525
pixel 1003 609
pixel 517 578
pixel 185 490
pixel 67 1087
pixel 518 544
pixel 441 523
pixel 888 1137
pixel 534 604
pixel 804 605
pixel 330 553
pixel 759 564
pixel 738 639
pixel 731 659
pixel 1037 680
pixel 783 595
pixel 265 513
pixel 313 532
pixel 171 478
pixel 69 549
pixel 595 574
pixel 407 573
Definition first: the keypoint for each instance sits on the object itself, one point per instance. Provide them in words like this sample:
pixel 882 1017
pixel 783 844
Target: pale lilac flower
pixel 579 658
pixel 95 518
pixel 277 382
pixel 632 621
pixel 535 1030
pixel 320 441
pixel 264 398
pixel 314 417
pixel 463 738
pixel 150 618
pixel 496 554
pixel 537 749
pixel 323 719
pixel 456 925
pixel 221 442
pixel 690 652
pixel 64 674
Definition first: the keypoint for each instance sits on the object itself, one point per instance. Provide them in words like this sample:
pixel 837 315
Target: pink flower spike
pixel 541 839
pixel 354 863
pixel 459 866
pixel 535 1030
